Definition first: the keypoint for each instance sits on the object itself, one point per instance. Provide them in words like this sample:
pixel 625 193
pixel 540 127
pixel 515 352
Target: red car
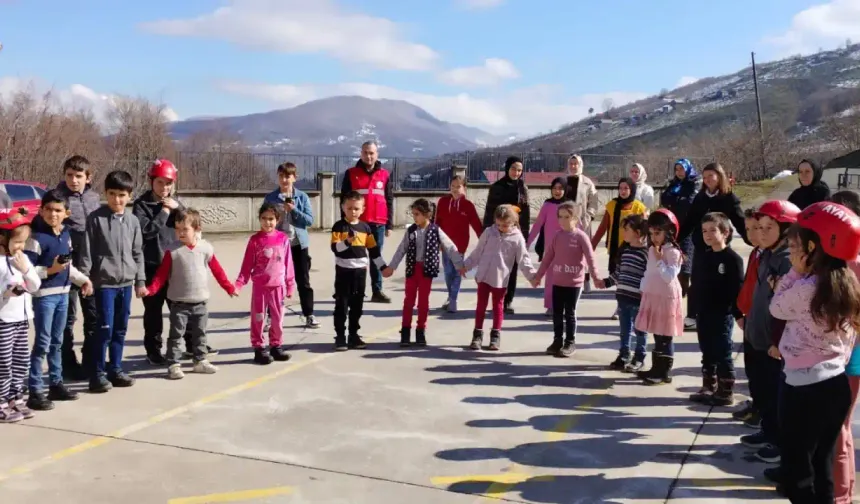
pixel 22 194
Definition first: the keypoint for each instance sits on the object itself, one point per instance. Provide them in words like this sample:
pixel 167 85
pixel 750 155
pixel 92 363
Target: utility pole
pixel 760 122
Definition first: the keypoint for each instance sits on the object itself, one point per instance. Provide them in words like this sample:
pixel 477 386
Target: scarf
pixel 616 217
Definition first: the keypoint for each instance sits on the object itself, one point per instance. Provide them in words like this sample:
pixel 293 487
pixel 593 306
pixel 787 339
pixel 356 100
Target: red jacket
pixel 745 296
pixel 374 186
pixel 454 218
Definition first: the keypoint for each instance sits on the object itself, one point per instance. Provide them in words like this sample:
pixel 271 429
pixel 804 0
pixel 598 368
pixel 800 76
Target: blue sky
pixel 501 65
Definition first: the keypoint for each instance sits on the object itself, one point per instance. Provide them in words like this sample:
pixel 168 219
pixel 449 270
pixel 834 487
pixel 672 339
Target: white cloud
pixel 305 27
pixel 526 111
pixel 825 25
pixel 75 97
pixel 493 71
pixel 685 81
pixel 479 4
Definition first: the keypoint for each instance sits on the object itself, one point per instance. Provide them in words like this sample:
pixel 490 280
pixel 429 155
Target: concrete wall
pixel 234 211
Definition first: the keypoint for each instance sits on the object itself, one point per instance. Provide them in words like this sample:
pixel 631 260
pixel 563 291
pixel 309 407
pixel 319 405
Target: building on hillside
pixel 849 165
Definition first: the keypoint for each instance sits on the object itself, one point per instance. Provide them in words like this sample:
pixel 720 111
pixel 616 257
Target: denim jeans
pixel 114 308
pixel 49 321
pixel 664 345
pixel 452 278
pixel 628 309
pixel 378 231
pixel 715 343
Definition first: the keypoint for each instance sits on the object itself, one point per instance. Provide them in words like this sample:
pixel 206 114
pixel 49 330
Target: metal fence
pixel 257 172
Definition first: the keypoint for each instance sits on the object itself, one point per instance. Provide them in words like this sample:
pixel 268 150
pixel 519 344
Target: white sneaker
pixel 452 306
pixel 174 372
pixel 205 367
pixel 615 314
pixel 311 322
pixel 689 323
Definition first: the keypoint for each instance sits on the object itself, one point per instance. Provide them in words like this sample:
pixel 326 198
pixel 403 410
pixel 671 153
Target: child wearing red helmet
pixel 820 302
pixel 660 308
pixel 156 210
pixel 18 279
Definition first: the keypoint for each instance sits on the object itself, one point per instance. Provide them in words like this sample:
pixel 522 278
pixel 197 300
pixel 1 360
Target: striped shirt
pixel 629 272
pixel 353 254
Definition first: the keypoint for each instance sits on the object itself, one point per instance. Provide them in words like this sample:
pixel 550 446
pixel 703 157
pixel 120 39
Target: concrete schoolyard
pixel 386 425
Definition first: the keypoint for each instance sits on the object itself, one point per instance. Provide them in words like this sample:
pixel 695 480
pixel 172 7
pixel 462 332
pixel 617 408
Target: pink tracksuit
pixel 268 263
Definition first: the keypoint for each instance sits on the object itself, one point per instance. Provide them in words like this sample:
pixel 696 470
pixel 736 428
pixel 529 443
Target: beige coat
pixel 586 201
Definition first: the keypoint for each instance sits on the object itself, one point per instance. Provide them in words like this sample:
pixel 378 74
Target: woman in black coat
pixel 678 198
pixel 715 196
pixel 812 189
pixel 510 190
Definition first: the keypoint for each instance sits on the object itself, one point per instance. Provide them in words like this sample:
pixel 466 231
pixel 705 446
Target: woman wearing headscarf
pixel 511 189
pixel 812 189
pixel 678 198
pixel 644 192
pixel 545 228
pixel 582 192
pixel 616 210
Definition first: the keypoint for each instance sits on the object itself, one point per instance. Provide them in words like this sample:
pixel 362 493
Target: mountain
pixel 797 95
pixel 339 125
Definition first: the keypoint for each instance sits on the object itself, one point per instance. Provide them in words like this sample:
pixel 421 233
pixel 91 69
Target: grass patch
pixel 749 192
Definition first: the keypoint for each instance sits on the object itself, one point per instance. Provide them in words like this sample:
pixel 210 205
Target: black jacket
pixel 728 204
pixel 815 192
pixel 507 191
pixel 157 228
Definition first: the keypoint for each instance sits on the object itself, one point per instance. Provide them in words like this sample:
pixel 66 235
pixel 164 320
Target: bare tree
pixel 590 110
pixel 217 159
pixel 844 130
pixel 138 136
pixel 608 104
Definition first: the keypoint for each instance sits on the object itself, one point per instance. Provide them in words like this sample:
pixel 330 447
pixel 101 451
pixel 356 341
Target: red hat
pixel 164 169
pixel 674 220
pixel 15 218
pixel 779 210
pixel 837 227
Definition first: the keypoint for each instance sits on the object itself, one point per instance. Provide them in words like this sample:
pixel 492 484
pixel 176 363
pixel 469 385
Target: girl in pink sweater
pixel 268 264
pixel 568 256
pixel 500 248
pixel 819 300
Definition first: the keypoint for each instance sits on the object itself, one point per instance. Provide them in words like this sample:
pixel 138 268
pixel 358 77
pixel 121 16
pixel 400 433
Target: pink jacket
pixel 570 256
pixel 805 343
pixel 548 220
pixel 661 277
pixel 496 255
pixel 268 262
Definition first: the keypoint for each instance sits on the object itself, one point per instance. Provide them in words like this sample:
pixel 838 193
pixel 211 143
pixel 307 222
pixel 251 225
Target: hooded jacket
pixel 705 203
pixel 815 192
pixel 157 229
pixel 773 264
pixel 644 192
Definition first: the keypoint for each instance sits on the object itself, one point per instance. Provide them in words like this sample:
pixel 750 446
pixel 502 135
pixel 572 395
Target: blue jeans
pixel 114 308
pixel 378 231
pixel 452 278
pixel 49 321
pixel 664 345
pixel 627 311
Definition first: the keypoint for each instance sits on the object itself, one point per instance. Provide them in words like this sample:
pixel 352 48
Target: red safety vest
pixel 372 186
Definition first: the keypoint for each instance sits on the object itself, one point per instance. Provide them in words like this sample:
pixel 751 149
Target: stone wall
pixel 236 211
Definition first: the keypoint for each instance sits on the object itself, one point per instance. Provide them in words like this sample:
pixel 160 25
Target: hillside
pixel 339 125
pixel 796 95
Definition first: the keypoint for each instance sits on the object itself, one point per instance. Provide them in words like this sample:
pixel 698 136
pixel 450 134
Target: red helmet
pixel 674 220
pixel 837 227
pixel 779 210
pixel 163 168
pixel 15 218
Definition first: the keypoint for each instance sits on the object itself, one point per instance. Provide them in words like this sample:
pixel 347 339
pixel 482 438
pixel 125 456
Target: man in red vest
pixel 371 180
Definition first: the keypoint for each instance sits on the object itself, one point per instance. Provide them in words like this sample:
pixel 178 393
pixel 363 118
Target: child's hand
pixel 57 266
pixel 599 283
pixel 462 271
pixel 387 272
pixel 87 289
pixel 141 292
pixel 773 352
pixel 19 261
pixel 535 282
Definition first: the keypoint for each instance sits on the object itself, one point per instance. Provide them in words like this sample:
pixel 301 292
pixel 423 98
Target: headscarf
pixel 616 215
pixel 573 180
pixel 561 181
pixel 690 176
pixel 642 174
pixel 522 198
pixel 815 192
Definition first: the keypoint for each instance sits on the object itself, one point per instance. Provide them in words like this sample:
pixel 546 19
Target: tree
pixel 139 135
pixel 608 104
pixel 663 93
pixel 844 130
pixel 590 110
pixel 217 159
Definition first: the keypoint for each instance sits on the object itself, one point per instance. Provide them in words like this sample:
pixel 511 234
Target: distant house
pixel 849 165
pixel 666 109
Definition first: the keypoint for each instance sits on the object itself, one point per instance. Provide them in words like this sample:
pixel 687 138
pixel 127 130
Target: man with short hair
pixel 370 179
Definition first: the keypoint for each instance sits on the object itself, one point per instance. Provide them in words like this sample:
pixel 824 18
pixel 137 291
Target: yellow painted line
pixel 167 415
pixel 245 495
pixel 741 483
pixel 492 478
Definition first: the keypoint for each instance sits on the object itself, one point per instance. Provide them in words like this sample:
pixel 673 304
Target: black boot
pixel 709 386
pixel 649 373
pixel 662 370
pixel 495 340
pixel 724 396
pixel 555 347
pixel 477 339
pixel 421 337
pixel 72 369
pixel 262 356
pixel 279 354
pixel 405 336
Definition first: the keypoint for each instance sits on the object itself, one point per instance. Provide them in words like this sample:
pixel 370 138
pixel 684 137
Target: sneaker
pixel 614 315
pixel 100 385
pixel 773 474
pixel 756 440
pixel 689 324
pixel 753 421
pixel 380 297
pixel 477 339
pixel 618 364
pixel 262 356
pixel 768 453
pixel 635 365
pixel 745 411
pixel 121 380
pixel 73 371
pixel 204 367
pixel 39 401
pixel 21 407
pixel 357 343
pixel 174 372
pixel 279 354
pixel 311 322
pixel 9 415
pixel 509 310
pixel 340 344
pixel 567 349
pixel 61 393
pixel 156 359
pixel 446 305
pixel 211 351
pixel 495 341
pixel 452 306
pixel 554 347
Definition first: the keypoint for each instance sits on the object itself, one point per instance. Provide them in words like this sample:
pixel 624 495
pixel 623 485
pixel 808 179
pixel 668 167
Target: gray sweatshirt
pixel 112 250
pixel 757 327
